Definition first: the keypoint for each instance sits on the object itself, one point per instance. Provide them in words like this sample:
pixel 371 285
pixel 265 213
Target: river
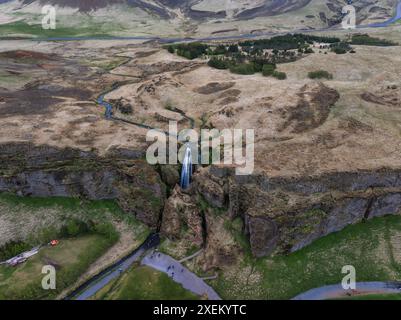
pixel 395 18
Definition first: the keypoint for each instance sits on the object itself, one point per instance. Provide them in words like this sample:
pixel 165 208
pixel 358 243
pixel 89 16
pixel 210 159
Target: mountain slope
pixel 183 18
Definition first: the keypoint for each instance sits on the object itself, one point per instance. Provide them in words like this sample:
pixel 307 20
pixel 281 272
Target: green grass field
pixel 61 202
pixel 28 216
pixel 144 283
pixel 20 28
pixel 34 221
pixel 373 248
pixel 71 258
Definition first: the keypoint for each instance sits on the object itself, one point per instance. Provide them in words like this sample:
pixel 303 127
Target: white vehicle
pixel 21 258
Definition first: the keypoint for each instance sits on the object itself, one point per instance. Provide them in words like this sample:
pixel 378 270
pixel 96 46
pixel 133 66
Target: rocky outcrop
pixel 141 192
pixel 221 248
pixel 263 235
pixel 210 187
pixel 286 214
pixel 45 171
pixel 279 214
pixel 170 175
pixel 182 218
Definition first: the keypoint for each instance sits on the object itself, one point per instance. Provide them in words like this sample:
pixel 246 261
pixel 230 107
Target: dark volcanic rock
pixel 274 7
pixel 170 175
pixel 263 235
pixel 286 214
pixel 164 8
pixel 47 171
pixel 182 213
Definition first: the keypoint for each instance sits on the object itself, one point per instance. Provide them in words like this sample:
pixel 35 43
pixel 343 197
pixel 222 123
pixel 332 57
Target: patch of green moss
pixel 204 206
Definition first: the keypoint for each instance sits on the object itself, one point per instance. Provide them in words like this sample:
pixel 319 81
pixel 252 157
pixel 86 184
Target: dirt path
pixel 179 274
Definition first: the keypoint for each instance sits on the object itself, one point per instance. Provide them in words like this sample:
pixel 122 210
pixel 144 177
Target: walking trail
pixel 179 274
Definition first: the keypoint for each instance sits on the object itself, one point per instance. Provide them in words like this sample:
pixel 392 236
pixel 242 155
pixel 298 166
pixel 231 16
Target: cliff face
pixel 122 175
pixel 285 215
pixel 181 213
pixel 279 214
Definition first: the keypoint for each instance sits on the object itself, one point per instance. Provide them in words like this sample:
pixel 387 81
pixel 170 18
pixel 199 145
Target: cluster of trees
pixel 288 42
pixel 234 66
pixel 247 68
pixel 190 51
pixel 320 74
pixel 281 46
pixel 279 75
pixel 341 47
pixel 218 63
pixel 251 47
pixel 195 50
pixel 269 70
pixel 244 68
pixel 364 39
pixel 248 57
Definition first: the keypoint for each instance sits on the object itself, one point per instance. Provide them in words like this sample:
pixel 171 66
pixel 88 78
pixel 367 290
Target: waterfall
pixel 186 172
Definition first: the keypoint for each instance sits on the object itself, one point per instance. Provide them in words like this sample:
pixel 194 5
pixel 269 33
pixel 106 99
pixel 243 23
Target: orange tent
pixel 54 243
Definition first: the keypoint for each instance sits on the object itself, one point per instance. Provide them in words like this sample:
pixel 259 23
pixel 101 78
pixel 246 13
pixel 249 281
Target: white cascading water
pixel 186 171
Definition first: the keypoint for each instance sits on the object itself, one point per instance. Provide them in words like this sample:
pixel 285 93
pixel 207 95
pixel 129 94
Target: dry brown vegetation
pixel 302 126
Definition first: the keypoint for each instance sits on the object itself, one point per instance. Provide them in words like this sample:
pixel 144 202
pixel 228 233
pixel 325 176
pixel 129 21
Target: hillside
pixel 188 18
